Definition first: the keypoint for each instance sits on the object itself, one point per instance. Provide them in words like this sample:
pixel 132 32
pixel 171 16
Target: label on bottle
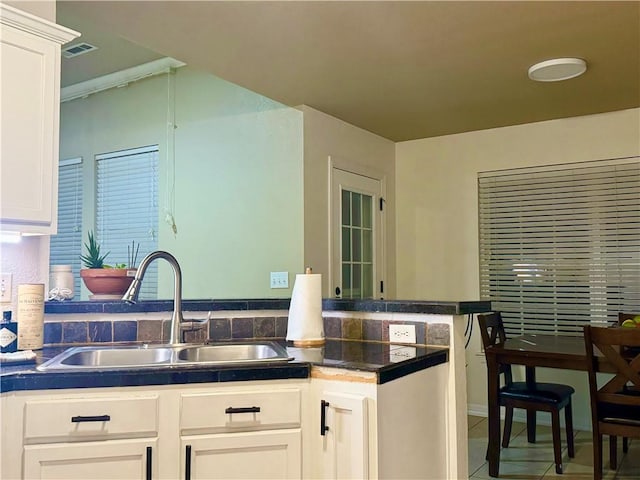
pixel 7 337
pixel 30 316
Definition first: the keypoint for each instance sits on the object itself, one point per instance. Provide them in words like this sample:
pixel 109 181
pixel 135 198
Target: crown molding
pixel 34 25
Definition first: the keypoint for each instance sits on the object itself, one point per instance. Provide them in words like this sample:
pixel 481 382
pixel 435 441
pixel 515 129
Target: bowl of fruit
pixel 633 322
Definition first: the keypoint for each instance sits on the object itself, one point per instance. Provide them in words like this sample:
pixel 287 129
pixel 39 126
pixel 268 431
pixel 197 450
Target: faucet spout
pixel 131 295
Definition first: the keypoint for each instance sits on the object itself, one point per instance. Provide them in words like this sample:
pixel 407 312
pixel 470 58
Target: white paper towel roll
pixel 305 325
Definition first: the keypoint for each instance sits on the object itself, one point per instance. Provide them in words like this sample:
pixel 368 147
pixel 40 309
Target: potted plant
pixel 106 281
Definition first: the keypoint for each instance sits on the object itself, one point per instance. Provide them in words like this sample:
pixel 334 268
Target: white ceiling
pixel 403 70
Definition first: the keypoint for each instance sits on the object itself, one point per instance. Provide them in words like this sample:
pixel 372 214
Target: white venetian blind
pixel 66 246
pixel 560 246
pixel 127 208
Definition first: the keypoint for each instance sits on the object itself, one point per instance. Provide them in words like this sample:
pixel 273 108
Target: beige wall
pixel 237 181
pixel 353 149
pixel 437 226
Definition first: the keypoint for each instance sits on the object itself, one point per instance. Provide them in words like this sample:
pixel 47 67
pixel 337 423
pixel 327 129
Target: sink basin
pixel 150 356
pixel 126 357
pixel 226 353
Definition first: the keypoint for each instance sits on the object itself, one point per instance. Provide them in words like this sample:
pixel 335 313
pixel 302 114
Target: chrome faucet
pixel 131 295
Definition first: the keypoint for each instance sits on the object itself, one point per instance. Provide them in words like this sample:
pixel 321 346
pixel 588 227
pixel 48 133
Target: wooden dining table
pixel 532 351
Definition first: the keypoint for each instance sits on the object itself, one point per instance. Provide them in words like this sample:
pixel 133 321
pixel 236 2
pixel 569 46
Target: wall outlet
pixel 402 333
pixel 279 280
pixel 5 287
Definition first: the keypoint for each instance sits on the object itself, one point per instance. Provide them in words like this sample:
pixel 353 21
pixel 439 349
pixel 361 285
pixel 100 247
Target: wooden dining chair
pixel 615 406
pixel 530 396
pixel 613 440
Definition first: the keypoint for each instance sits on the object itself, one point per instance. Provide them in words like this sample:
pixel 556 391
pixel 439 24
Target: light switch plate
pixel 279 280
pixel 5 287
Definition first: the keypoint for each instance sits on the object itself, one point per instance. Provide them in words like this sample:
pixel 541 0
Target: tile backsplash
pixel 232 328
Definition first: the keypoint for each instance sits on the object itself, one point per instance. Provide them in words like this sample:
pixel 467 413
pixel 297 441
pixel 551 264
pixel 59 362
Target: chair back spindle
pixel 492 333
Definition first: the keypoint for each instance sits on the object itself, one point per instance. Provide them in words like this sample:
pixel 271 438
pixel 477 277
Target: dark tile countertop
pixel 328 304
pixel 388 361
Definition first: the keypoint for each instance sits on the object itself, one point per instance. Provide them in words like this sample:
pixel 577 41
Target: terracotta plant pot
pixel 107 281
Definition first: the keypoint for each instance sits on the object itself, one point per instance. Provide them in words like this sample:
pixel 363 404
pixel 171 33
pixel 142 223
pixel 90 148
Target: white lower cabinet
pixel 240 430
pixel 99 434
pixel 339 424
pixel 246 433
pixel 362 430
pixel 110 460
pixel 345 436
pixel 265 455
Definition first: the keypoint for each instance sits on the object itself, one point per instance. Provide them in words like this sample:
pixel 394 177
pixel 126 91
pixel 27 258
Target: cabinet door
pixel 110 460
pixel 345 444
pixel 272 454
pixel 29 102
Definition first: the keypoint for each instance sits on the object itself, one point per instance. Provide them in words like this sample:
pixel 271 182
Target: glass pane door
pixel 357 245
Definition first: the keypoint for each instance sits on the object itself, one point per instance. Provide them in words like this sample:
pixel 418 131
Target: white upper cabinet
pixel 29 122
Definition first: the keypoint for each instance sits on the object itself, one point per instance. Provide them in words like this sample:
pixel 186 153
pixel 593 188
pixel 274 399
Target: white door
pixel 107 460
pixel 266 455
pixel 345 445
pixel 357 235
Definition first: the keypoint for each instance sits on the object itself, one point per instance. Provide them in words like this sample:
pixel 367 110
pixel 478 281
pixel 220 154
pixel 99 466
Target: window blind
pixel 66 246
pixel 560 246
pixel 127 208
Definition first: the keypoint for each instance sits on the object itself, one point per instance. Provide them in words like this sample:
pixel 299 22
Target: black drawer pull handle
pixel 91 418
pixel 323 417
pixel 187 463
pixel 149 474
pixel 242 410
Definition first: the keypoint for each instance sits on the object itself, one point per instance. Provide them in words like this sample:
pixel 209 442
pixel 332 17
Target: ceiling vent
pixel 77 49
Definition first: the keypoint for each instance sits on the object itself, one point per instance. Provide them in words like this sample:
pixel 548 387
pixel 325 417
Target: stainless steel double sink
pixel 149 356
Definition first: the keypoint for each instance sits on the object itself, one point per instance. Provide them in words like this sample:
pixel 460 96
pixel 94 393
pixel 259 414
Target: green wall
pixel 231 173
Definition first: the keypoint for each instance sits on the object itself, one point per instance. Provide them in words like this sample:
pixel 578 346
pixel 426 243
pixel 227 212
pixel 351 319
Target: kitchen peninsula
pixel 401 408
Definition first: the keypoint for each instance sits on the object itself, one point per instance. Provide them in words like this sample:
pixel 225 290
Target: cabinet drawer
pixel 81 419
pixel 236 411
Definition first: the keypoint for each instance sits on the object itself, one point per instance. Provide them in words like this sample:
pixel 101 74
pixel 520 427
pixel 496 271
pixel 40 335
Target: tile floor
pixel 525 461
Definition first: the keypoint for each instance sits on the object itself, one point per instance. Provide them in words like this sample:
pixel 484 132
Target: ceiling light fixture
pixel 557 69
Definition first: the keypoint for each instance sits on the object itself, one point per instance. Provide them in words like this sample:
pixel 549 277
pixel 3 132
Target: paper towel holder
pixel 305 326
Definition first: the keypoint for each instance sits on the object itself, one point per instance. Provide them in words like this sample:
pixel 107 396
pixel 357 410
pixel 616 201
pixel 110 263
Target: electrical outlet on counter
pixel 402 333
